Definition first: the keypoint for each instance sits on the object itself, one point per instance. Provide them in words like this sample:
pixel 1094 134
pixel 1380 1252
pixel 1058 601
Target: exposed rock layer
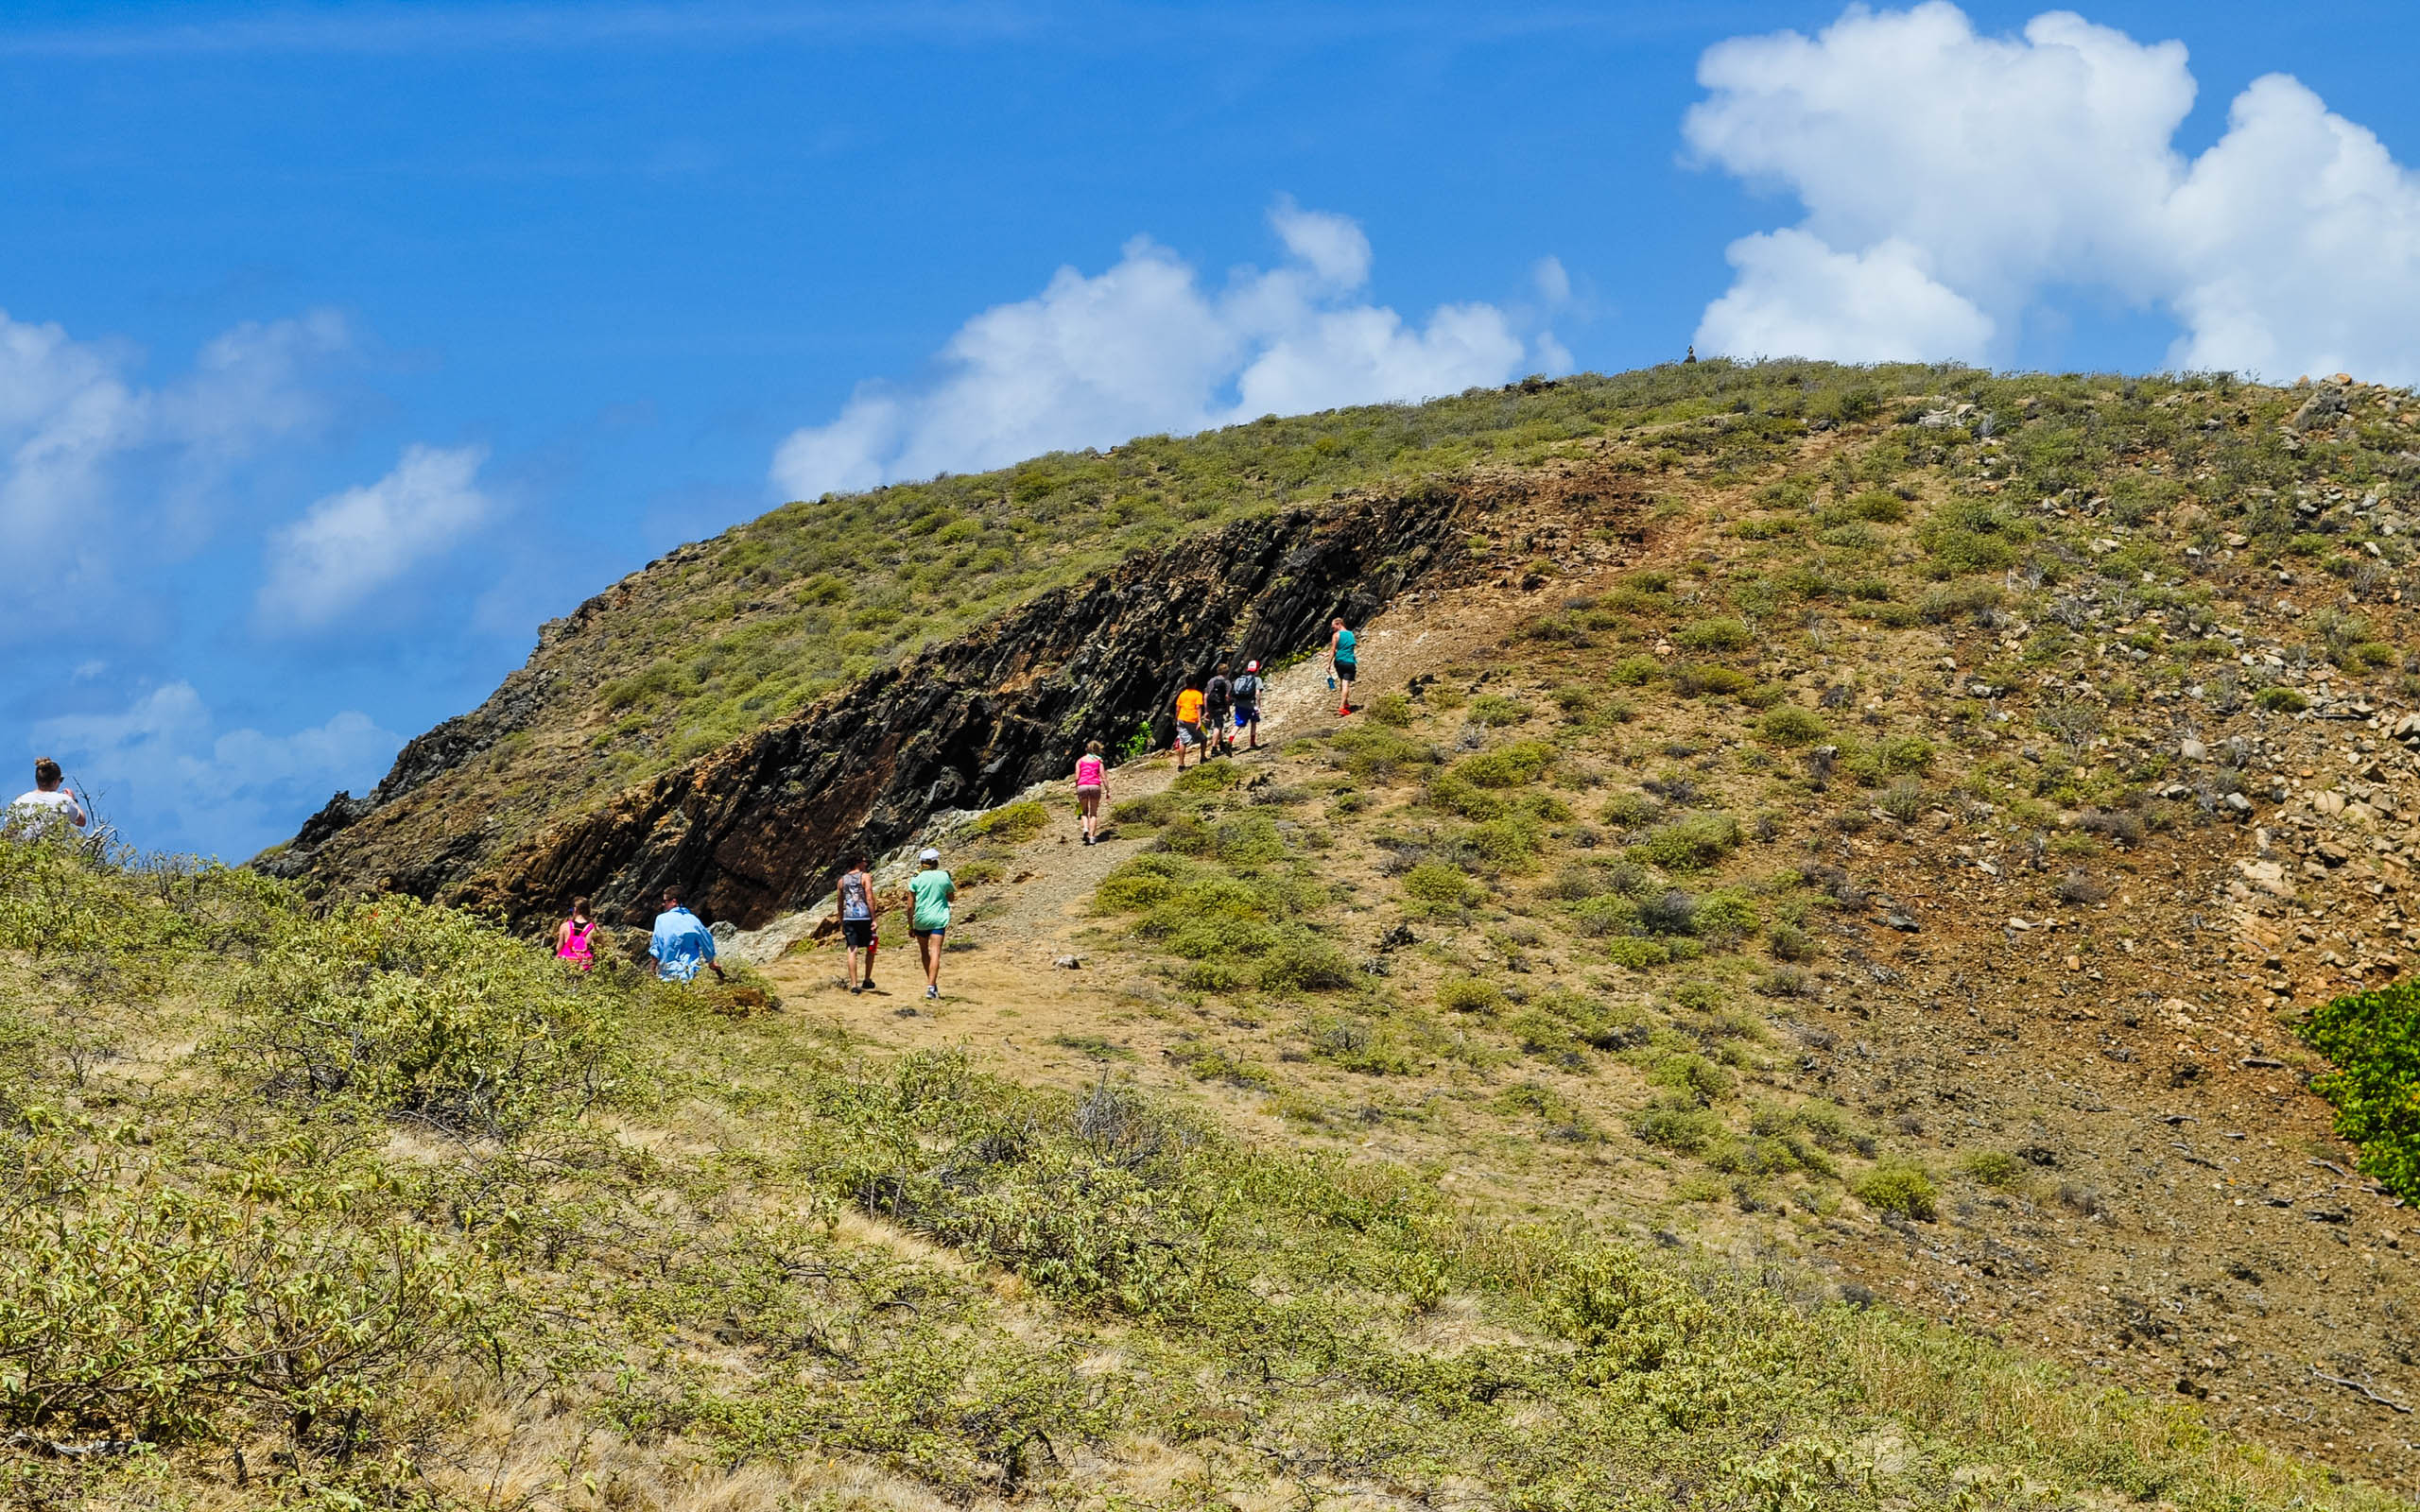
pixel 758 827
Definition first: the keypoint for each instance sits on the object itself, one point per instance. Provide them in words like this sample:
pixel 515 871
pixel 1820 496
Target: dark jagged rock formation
pixel 754 829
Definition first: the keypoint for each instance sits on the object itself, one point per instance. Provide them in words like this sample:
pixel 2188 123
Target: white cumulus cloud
pixel 1144 348
pixel 162 772
pixel 351 543
pixel 1950 180
pixel 75 427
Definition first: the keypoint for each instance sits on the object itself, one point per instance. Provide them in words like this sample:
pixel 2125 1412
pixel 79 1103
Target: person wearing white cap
pixel 1246 692
pixel 929 921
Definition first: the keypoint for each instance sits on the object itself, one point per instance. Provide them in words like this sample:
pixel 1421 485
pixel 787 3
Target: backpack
pixel 1248 690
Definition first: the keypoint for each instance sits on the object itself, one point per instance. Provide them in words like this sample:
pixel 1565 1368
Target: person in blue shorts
pixel 1247 695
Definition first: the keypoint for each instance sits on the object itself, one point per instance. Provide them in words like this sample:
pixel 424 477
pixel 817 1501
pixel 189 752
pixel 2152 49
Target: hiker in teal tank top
pixel 1339 651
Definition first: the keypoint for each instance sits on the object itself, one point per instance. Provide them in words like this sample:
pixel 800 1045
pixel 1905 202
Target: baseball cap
pixel 928 853
pixel 1252 666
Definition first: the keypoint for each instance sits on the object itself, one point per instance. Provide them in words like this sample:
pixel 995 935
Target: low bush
pixel 410 1008
pixel 1678 1123
pixel 1993 1168
pixel 1685 845
pixel 1791 725
pixel 1638 955
pixel 1510 766
pixel 1437 887
pixel 1014 823
pixel 1150 811
pixel 1899 1187
pixel 1495 710
pixel 2373 1039
pixel 1634 671
pixel 1391 708
pixel 1469 995
pixel 1721 634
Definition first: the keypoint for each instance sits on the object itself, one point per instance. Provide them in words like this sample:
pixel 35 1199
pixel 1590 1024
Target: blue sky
pixel 346 344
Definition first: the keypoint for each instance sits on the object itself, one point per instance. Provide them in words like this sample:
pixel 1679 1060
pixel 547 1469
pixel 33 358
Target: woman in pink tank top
pixel 1092 784
pixel 571 940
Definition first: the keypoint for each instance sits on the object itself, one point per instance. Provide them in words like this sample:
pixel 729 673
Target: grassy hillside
pixel 724 636
pixel 378 1208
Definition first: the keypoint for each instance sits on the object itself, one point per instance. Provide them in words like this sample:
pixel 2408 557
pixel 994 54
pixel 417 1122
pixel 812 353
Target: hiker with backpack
pixel 574 940
pixel 1217 703
pixel 1247 695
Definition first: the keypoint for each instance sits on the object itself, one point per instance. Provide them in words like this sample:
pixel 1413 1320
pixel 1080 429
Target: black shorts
pixel 1344 671
pixel 857 933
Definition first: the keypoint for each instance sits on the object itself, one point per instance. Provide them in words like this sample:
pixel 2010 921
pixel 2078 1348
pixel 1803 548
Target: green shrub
pixel 1014 823
pixel 1993 1168
pixel 1638 955
pixel 1693 678
pixel 1628 808
pixel 1726 917
pixel 1145 881
pixel 1905 753
pixel 1453 793
pixel 1634 671
pixel 1903 800
pixel 1391 708
pixel 1678 1123
pixel 1469 995
pixel 1699 840
pixel 1899 1187
pixel 1208 778
pixel 134 1305
pixel 1721 634
pixel 1512 765
pixel 410 1008
pixel 1495 710
pixel 1373 753
pixel 1304 961
pixel 1438 887
pixel 1972 536
pixel 1792 726
pixel 2281 700
pixel 1508 842
pixel 1147 812
pixel 2373 1039
pixel 1955 601
pixel 1603 916
pixel 1692 1074
pixel 1877 505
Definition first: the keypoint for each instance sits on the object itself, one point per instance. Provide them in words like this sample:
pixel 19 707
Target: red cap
pixel 1252 666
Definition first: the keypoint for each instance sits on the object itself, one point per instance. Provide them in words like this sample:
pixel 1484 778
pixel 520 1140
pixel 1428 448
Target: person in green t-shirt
pixel 928 921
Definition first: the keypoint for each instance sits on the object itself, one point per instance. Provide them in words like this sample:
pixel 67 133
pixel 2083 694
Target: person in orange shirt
pixel 1188 720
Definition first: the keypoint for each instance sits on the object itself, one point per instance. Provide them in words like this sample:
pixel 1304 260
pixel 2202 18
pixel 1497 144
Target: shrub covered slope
pixel 379 1206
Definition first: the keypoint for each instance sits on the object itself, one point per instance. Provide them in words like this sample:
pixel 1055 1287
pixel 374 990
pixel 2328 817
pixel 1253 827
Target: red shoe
pixel 1346 710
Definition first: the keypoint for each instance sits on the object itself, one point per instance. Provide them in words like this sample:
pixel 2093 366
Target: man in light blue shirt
pixel 682 943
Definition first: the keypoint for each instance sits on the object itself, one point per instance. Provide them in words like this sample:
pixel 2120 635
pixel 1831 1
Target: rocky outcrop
pixel 758 827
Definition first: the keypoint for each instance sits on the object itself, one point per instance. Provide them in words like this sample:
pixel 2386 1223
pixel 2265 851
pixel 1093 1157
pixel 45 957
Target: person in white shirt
pixel 49 801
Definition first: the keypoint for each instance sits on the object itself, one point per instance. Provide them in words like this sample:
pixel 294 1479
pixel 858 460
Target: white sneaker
pixel 932 991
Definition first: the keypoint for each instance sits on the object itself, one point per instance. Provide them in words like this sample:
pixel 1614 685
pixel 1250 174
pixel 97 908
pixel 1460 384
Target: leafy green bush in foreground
pixel 2374 1038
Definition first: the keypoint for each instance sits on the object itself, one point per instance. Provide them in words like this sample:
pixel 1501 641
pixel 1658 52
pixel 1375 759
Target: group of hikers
pixel 682 944
pixel 1211 713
